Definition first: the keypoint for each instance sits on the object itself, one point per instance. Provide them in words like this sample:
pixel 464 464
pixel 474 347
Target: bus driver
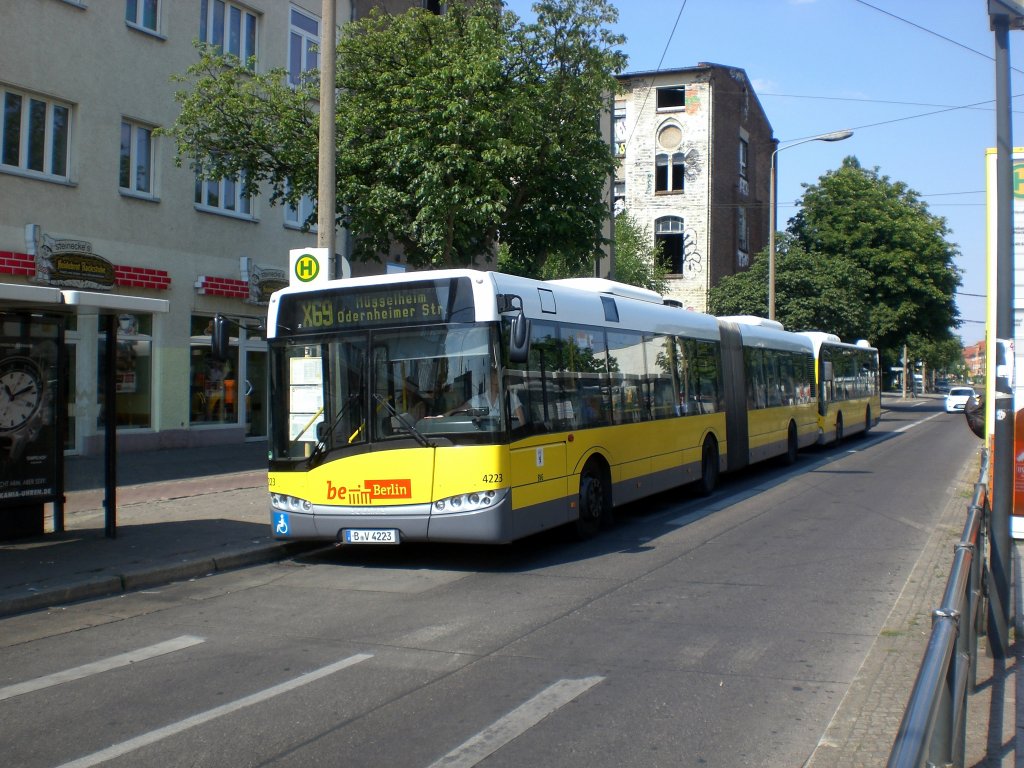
pixel 490 401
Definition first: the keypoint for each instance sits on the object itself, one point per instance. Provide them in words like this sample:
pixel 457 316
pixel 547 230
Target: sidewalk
pixel 187 513
pixel 181 513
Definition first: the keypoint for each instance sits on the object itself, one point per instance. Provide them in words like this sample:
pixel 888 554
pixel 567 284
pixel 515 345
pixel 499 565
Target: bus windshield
pixel 437 385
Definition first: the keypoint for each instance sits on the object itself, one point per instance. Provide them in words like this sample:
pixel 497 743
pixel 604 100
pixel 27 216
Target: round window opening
pixel 670 136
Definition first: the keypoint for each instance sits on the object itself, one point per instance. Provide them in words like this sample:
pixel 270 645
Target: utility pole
pixel 326 179
pixel 1003 16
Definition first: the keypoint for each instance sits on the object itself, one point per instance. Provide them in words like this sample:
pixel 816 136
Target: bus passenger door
pixel 735 396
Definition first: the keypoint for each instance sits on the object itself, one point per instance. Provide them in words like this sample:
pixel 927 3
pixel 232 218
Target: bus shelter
pixel 34 398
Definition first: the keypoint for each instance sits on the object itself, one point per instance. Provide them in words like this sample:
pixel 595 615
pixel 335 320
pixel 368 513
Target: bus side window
pixel 753 361
pixel 709 371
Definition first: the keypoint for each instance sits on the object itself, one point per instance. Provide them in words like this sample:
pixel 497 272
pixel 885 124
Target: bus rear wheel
pixel 792 445
pixel 708 467
pixel 594 502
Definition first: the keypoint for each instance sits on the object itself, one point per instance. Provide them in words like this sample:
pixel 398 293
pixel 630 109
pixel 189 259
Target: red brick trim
pixel 207 285
pixel 12 263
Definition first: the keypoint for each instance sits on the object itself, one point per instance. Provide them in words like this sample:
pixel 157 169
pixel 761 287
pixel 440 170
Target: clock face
pixel 21 392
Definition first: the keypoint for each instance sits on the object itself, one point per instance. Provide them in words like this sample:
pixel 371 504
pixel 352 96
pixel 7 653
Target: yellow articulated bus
pixel 466 406
pixel 778 394
pixel 849 388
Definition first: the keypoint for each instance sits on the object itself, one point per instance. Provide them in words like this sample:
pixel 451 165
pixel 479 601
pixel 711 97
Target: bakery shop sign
pixel 72 264
pixel 263 281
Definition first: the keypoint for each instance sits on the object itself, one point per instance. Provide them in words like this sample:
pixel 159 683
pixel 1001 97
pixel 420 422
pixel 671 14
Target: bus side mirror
pixel 220 338
pixel 519 339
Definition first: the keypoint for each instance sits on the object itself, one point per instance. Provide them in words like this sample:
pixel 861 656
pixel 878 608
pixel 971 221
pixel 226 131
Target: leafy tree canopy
pixel 454 132
pixel 637 259
pixel 637 255
pixel 811 292
pixel 863 259
pixel 886 230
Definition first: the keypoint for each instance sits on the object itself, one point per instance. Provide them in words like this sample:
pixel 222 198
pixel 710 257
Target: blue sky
pixel 824 65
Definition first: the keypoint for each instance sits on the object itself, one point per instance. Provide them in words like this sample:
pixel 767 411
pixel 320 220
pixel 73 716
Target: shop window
pixel 134 372
pixel 213 391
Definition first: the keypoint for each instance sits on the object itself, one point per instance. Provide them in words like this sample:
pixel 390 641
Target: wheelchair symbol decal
pixel 281 527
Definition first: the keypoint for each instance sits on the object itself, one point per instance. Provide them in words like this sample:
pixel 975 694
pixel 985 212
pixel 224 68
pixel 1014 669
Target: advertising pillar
pixel 1005 357
pixel 30 444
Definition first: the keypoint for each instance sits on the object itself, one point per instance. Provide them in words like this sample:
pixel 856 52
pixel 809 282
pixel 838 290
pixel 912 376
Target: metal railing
pixel 934 727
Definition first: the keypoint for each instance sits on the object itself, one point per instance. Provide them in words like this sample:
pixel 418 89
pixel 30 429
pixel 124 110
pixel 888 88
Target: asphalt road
pixel 703 632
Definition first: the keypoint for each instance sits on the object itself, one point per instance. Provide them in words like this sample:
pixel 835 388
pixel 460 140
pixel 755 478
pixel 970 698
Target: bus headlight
pixel 467 502
pixel 290 503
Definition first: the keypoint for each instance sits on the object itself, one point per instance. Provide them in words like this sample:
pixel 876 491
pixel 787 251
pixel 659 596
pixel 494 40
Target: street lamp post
pixel 832 136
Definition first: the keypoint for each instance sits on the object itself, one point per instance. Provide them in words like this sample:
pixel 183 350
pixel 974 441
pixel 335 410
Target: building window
pixel 669 172
pixel 619 129
pixel 136 171
pixel 673 97
pixel 618 197
pixel 434 6
pixel 230 27
pixel 144 14
pixel 35 135
pixel 742 240
pixel 744 157
pixel 298 214
pixel 668 231
pixel 224 196
pixel 303 44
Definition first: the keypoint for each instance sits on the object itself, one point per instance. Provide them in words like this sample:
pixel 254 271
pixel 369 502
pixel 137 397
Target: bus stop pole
pixel 110 427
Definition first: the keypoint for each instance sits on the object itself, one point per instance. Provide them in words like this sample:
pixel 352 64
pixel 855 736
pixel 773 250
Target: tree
pixel 942 355
pixel 863 259
pixel 637 255
pixel 636 259
pixel 884 229
pixel 454 132
pixel 812 291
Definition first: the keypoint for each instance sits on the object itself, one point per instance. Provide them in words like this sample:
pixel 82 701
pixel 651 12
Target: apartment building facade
pixel 93 200
pixel 976 361
pixel 694 148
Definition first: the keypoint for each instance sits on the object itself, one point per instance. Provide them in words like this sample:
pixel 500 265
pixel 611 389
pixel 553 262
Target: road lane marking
pixel 103 665
pixel 915 423
pixel 117 750
pixel 515 723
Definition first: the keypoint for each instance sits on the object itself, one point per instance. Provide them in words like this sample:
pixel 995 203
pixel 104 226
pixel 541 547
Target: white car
pixel 957 398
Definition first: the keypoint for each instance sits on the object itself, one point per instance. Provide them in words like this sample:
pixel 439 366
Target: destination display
pixel 379 306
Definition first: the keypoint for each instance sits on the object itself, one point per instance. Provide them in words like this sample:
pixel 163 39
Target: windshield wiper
pixel 420 437
pixel 321 444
